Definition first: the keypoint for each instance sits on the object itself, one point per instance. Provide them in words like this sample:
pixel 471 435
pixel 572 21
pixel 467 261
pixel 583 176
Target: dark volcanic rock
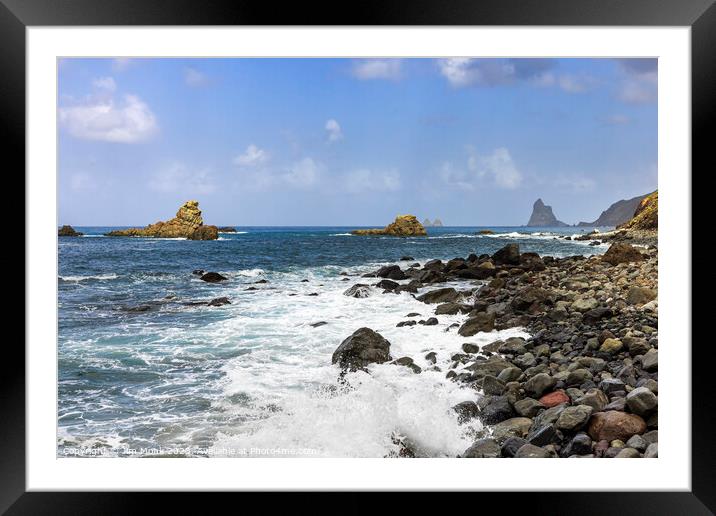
pixel 213 277
pixel 393 272
pixel 219 301
pixel 358 290
pixel 441 295
pixel 510 255
pixel 363 347
pixel 622 253
pixel 479 322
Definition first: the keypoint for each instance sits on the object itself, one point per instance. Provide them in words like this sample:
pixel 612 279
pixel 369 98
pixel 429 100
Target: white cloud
pixel 638 91
pixel 498 165
pixel 178 178
pixel 105 83
pixel 367 69
pixel 640 80
pixel 253 156
pixel 575 83
pixel 365 180
pixel 302 174
pixel 575 183
pixel 101 117
pixel 457 178
pixel 334 130
pixel 120 64
pixel 194 78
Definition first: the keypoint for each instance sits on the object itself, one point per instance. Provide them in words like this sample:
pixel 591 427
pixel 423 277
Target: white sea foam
pixel 90 277
pixel 295 401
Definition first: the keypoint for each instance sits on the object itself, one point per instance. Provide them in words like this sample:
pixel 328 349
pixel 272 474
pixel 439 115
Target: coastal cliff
pixel 618 213
pixel 404 225
pixel 186 224
pixel 542 216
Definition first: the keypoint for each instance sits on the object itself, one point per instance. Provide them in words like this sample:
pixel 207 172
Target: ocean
pixel 254 377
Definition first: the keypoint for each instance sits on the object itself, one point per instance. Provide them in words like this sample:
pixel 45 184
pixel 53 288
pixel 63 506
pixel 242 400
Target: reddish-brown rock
pixel 554 398
pixel 613 425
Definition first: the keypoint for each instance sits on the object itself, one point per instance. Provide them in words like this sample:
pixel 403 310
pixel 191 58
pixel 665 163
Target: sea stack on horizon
pixel 403 225
pixel 187 224
pixel 542 216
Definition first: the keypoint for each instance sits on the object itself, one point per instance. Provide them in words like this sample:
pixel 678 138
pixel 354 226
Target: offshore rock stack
pixel 186 224
pixel 403 225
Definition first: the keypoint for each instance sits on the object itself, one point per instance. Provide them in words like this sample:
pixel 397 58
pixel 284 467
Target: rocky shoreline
pixel 585 384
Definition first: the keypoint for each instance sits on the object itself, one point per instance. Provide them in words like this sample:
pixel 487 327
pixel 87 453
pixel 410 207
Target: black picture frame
pixel 700 15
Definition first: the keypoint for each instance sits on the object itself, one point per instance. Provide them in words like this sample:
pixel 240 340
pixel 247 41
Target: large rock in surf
pixel 404 225
pixel 441 295
pixel 187 224
pixel 542 216
pixel 364 347
pixel 68 231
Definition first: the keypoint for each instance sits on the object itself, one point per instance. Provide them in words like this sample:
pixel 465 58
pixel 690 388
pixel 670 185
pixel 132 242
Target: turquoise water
pixel 189 379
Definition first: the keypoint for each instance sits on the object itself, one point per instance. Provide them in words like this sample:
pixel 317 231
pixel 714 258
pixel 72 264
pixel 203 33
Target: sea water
pixel 254 378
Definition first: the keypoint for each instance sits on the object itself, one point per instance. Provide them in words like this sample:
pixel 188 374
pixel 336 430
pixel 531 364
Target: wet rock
pixel 408 362
pixel 465 411
pixel 497 410
pixel 387 284
pixel 405 323
pixel 362 348
pixel 392 272
pixel 431 357
pixel 483 449
pixel 544 435
pixel 452 309
pixel 212 277
pixel 139 308
pixel 481 322
pixel 470 348
pixel 431 321
pixel 359 290
pixel 219 301
pixel 511 446
pixel 441 295
pixel 318 324
pixel 492 386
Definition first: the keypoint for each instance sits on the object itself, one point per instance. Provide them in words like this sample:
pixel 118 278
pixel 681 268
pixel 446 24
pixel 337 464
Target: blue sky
pixel 353 141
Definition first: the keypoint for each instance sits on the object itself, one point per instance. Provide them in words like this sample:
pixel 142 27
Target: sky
pixel 352 142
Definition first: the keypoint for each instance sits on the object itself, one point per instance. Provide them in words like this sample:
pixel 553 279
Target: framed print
pixel 400 252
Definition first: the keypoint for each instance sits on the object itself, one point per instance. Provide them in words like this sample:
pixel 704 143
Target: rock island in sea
pixel 187 224
pixel 403 225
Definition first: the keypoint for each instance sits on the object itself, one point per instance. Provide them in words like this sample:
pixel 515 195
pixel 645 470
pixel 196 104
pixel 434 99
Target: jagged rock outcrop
pixel 646 215
pixel 187 224
pixel 618 213
pixel 542 216
pixel 227 229
pixel 68 231
pixel 404 225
